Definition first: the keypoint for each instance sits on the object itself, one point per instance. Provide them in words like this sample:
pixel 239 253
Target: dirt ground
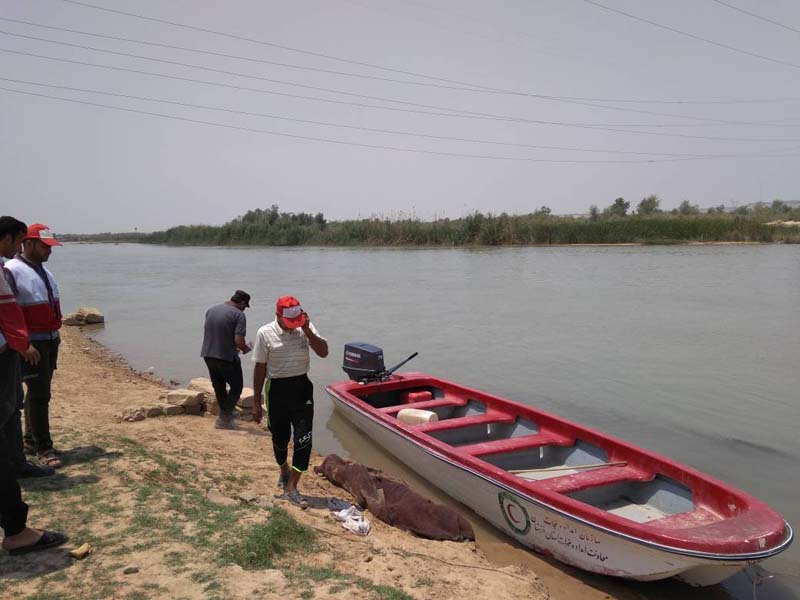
pixel 161 497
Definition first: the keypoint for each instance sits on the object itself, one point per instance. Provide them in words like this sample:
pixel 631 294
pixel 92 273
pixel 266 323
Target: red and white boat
pixel 588 499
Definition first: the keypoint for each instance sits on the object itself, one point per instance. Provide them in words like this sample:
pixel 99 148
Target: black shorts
pixel 290 414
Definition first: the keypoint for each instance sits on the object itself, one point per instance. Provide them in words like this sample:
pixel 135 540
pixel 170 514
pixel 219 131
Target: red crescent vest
pixel 42 314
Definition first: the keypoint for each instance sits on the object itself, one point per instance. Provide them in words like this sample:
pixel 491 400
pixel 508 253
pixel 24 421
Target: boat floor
pixel 630 509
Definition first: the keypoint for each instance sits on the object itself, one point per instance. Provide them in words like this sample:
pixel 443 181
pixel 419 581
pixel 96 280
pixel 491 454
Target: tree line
pixel 615 224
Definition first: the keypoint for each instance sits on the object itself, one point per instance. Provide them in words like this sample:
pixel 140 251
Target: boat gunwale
pixel 462 461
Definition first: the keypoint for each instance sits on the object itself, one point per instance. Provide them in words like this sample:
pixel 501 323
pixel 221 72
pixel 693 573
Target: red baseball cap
pixel 40 232
pixel 290 311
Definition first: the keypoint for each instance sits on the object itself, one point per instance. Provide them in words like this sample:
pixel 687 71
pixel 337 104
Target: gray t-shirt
pixel 223 322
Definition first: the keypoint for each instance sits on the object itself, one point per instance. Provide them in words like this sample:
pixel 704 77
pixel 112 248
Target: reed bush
pixel 273 228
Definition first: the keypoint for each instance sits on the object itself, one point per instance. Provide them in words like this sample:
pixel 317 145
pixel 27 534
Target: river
pixel 690 351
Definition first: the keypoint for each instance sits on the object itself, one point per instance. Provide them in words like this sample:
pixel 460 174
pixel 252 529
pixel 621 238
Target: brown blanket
pixel 394 502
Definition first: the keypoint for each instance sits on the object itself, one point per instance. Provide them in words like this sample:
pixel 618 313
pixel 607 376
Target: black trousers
pixel 226 377
pixel 290 409
pixel 13 511
pixel 37 398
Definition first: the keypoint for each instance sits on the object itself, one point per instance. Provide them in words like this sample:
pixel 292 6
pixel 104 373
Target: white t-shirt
pixel 284 350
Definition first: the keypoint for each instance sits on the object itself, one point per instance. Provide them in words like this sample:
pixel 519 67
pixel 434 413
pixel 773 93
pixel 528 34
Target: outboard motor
pixel 364 363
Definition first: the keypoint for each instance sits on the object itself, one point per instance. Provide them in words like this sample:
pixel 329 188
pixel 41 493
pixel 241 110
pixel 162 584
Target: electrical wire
pixel 464 114
pixel 312 53
pixel 754 15
pixel 368 97
pixel 683 33
pixel 401 81
pixel 393 148
pixel 352 127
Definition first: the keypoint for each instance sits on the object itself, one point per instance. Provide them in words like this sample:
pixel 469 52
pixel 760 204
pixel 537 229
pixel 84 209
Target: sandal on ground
pixel 49 458
pixel 49 539
pixel 283 480
pixel 32 470
pixel 295 498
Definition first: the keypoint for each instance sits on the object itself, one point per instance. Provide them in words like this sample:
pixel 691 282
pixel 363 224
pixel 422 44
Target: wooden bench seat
pixel 590 478
pixel 533 440
pixel 424 405
pixel 490 417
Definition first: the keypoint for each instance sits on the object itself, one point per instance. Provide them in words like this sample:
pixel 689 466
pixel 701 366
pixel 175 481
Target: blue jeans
pixel 226 377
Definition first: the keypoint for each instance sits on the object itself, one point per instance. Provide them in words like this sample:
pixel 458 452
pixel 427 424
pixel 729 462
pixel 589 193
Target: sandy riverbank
pixel 163 495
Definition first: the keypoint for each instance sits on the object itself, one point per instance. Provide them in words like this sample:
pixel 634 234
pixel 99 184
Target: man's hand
pixel 31 355
pixel 319 345
pixel 258 410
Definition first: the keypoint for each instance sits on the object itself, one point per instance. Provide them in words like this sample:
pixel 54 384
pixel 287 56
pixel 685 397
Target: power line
pixel 247 58
pixel 754 15
pixel 318 139
pixel 679 32
pixel 340 59
pixel 464 115
pixel 353 127
pixel 379 98
pixel 393 148
pixel 399 81
pixel 265 43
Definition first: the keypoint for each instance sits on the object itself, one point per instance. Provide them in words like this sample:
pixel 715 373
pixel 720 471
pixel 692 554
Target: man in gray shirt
pixel 223 339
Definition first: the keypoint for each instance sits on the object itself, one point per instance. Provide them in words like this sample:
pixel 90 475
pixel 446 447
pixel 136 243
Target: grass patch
pixel 384 592
pixel 261 544
pixel 317 573
pixel 202 577
pixel 175 559
pixel 342 581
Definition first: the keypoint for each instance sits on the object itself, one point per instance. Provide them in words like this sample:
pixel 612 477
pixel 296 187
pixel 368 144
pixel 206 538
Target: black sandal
pixel 295 498
pixel 49 539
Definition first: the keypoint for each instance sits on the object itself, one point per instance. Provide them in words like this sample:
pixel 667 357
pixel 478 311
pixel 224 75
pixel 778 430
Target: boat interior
pixel 541 452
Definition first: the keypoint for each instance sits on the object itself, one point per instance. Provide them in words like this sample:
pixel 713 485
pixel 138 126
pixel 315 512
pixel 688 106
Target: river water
pixel 690 351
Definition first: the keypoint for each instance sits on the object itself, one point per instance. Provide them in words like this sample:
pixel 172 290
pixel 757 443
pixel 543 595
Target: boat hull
pixel 539 526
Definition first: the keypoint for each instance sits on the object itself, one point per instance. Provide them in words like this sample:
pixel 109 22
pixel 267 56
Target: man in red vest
pixel 37 295
pixel 14 342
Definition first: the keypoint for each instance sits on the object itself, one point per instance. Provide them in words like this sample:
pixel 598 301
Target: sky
pixel 455 87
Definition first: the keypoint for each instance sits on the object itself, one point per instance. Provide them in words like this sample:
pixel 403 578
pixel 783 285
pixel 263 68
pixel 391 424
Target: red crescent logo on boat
pixel 514 513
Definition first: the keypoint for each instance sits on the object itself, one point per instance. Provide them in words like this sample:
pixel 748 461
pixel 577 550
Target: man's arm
pixel 239 333
pixel 259 377
pixel 238 340
pixel 318 344
pixel 12 321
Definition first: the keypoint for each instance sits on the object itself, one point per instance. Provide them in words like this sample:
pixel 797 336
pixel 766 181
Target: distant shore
pixel 268 228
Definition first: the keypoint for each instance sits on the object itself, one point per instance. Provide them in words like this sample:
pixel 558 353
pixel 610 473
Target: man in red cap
pixel 37 295
pixel 281 353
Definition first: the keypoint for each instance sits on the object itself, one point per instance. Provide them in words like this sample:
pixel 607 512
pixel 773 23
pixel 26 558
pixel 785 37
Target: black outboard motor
pixel 364 363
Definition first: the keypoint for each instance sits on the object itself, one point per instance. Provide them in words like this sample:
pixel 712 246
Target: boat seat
pixel 424 405
pixel 591 478
pixel 533 440
pixel 492 417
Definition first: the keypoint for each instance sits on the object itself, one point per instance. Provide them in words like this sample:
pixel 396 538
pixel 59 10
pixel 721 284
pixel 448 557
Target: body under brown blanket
pixel 394 502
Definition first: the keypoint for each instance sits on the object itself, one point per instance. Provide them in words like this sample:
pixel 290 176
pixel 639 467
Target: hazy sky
pixel 86 168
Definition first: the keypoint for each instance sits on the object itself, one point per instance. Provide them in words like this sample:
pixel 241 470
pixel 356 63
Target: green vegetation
pixel 260 544
pixel 613 225
pixel 167 512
